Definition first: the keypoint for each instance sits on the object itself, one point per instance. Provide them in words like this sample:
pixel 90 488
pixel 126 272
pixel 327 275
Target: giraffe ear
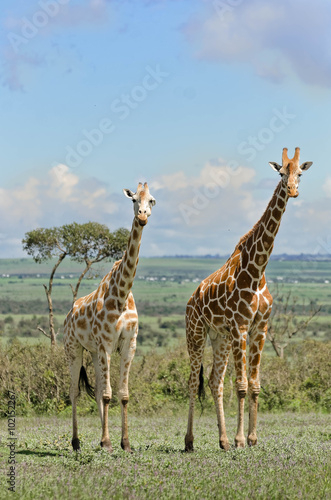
pixel 128 193
pixel 306 165
pixel 275 166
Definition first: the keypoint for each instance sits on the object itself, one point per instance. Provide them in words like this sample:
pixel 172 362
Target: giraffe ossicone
pixel 234 302
pixel 104 321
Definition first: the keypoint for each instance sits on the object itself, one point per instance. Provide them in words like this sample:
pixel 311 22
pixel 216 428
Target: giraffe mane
pixel 246 236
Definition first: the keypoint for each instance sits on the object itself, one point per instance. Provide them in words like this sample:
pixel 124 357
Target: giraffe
pixel 104 321
pixel 233 302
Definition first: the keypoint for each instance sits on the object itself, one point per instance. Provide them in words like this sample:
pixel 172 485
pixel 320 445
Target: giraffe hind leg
pixel 75 364
pixel 196 339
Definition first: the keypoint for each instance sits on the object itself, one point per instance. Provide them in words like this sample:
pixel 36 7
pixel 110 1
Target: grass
pixel 292 460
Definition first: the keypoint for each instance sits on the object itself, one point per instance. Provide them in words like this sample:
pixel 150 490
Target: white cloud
pixel 192 218
pixel 62 183
pixel 56 198
pixel 274 37
pixel 193 214
pixel 214 172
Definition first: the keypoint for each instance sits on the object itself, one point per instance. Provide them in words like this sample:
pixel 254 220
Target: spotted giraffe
pixel 106 320
pixel 233 302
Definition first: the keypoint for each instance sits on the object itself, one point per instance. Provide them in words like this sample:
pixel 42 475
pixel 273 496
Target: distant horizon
pixel 281 256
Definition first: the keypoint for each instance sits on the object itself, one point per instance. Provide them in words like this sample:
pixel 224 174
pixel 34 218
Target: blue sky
pixel 97 95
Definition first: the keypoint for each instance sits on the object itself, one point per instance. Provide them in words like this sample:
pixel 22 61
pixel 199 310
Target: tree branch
pixel 43 331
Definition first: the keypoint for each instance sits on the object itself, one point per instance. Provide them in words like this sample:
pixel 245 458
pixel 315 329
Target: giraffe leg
pixel 75 364
pixel 256 343
pixel 105 388
pixel 196 339
pixel 221 350
pixel 128 352
pixel 239 355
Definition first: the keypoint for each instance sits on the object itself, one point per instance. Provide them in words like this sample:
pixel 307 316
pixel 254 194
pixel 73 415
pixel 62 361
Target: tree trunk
pixel 276 347
pixel 75 290
pixel 52 334
pixel 48 291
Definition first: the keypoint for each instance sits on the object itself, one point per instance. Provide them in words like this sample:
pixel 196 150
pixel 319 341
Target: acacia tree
pixel 90 243
pixel 44 244
pixel 285 322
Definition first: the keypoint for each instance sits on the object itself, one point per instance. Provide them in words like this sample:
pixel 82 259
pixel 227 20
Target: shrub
pixel 39 376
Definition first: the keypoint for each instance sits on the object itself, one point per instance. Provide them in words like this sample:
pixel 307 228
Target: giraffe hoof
pixel 189 445
pixel 240 443
pixel 106 445
pixel 75 444
pixel 224 444
pixel 125 445
pixel 252 440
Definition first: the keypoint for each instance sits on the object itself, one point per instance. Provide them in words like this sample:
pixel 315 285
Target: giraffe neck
pixel 257 247
pixel 126 271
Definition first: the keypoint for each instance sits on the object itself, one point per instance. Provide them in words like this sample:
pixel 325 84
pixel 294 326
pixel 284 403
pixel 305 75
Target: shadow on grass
pixel 38 453
pixel 161 449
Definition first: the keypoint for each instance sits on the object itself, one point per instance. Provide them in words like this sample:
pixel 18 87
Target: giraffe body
pixel 235 302
pixel 104 321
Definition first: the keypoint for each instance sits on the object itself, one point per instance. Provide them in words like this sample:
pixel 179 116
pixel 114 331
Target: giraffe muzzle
pixel 293 193
pixel 142 219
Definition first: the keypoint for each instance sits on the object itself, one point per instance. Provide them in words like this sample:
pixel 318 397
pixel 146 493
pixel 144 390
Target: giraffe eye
pixel 134 201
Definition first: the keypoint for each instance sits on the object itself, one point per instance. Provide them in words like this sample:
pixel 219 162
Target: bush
pixel 39 377
pixel 37 374
pixel 301 381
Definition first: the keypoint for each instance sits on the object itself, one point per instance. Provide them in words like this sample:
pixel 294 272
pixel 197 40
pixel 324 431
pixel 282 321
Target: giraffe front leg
pixel 98 388
pixel 221 350
pixel 256 344
pixel 239 356
pixel 103 377
pixel 128 352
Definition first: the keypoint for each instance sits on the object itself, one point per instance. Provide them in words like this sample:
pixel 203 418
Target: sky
pixel 193 96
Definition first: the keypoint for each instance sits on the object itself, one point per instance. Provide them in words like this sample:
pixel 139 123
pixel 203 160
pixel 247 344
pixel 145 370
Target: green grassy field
pixel 292 460
pixel 21 277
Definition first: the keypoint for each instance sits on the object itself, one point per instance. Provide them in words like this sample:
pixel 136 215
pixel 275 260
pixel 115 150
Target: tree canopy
pixel 43 243
pixel 90 241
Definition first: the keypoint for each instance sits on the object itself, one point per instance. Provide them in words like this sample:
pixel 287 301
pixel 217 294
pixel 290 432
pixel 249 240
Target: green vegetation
pixel 292 460
pixel 39 377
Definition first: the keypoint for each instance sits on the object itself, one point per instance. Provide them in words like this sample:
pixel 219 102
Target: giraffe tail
pixel 84 383
pixel 201 389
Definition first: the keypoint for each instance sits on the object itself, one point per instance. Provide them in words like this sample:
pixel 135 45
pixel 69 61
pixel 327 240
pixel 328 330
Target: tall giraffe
pixel 233 302
pixel 106 320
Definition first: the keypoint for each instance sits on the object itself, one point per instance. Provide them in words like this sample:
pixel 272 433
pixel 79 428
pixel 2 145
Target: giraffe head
pixel 143 202
pixel 291 171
